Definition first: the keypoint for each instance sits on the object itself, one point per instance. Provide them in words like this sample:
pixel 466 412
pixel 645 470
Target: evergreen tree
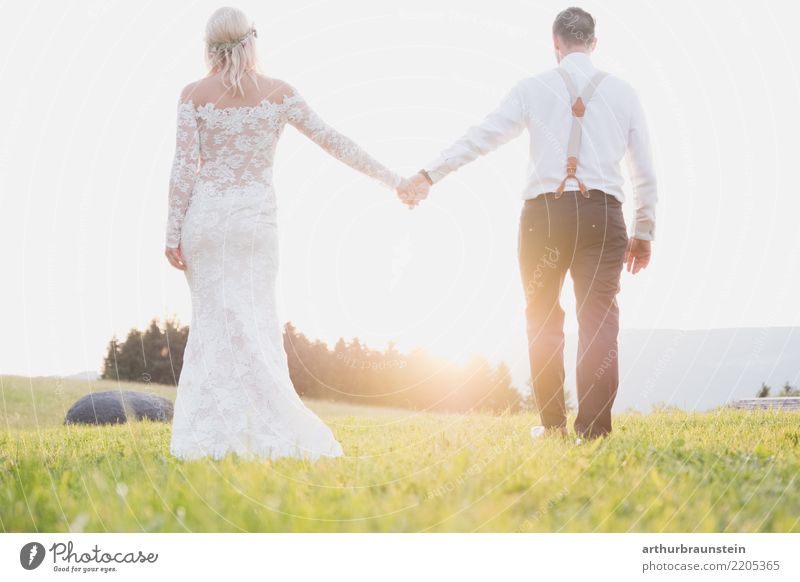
pixel 110 361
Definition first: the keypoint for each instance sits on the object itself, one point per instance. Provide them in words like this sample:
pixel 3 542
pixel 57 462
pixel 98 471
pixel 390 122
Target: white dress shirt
pixel 614 127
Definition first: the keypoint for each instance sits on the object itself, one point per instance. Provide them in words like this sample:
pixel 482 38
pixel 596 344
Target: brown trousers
pixel 588 238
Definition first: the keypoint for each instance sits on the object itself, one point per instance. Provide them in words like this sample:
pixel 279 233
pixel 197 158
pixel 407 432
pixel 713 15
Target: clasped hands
pixel 413 190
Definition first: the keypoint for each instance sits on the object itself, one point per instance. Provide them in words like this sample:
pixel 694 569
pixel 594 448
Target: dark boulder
pixel 115 407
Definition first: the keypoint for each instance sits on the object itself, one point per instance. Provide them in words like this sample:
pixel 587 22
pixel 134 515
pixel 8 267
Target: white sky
pixel 88 100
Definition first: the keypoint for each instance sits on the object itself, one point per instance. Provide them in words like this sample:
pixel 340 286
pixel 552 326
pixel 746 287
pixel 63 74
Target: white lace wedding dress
pixel 234 393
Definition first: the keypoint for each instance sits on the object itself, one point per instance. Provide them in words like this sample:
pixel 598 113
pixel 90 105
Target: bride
pixel 234 392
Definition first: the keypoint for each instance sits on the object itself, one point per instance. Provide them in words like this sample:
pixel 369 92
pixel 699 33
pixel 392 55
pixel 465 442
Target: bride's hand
pixel 403 191
pixel 413 190
pixel 175 257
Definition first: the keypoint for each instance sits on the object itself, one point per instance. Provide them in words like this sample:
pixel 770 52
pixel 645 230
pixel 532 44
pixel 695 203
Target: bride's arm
pixel 184 169
pixel 308 122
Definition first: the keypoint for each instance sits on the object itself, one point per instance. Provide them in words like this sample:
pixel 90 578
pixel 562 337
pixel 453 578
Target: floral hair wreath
pixel 226 46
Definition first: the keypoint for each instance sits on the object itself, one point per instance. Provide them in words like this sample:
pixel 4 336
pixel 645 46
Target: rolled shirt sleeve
pixel 498 127
pixel 642 172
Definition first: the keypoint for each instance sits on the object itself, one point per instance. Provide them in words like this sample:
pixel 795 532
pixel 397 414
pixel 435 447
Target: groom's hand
pixel 414 190
pixel 175 257
pixel 637 255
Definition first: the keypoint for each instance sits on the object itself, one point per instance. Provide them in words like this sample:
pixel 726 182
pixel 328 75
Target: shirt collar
pixel 578 63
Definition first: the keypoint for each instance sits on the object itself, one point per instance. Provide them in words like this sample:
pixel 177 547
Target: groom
pixel 581 125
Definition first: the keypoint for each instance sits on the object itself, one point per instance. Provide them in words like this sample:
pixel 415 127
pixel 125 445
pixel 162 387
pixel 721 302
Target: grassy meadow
pixel 722 471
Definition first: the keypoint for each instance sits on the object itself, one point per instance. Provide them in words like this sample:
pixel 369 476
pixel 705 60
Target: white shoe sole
pixel 539 431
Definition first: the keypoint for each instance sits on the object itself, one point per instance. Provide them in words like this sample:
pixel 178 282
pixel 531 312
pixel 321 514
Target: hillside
pixel 692 369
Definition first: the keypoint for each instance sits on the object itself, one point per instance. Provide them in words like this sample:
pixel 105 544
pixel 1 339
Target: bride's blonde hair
pixel 230 46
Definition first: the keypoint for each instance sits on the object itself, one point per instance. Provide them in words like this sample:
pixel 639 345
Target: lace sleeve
pixel 308 122
pixel 184 171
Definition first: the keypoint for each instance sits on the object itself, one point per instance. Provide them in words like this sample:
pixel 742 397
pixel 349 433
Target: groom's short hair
pixel 574 26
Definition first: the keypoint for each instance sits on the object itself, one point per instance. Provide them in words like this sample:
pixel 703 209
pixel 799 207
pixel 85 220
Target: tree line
pixel 349 372
pixel 787 390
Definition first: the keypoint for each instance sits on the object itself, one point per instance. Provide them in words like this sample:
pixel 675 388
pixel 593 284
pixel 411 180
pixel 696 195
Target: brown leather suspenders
pixel 578 109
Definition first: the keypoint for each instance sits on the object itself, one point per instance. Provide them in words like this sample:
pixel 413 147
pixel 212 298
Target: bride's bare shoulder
pixel 202 90
pixel 212 89
pixel 189 91
pixel 276 90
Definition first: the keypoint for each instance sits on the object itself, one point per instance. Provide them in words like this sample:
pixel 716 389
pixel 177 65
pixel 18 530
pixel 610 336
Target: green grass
pixel 725 471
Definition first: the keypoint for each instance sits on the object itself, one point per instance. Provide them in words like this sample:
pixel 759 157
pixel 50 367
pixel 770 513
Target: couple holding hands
pixel 234 392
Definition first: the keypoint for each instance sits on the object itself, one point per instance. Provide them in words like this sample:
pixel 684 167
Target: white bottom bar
pixel 403 557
